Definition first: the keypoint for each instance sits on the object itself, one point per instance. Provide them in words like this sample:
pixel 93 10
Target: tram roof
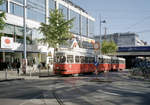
pixel 104 56
pixel 82 52
pixel 121 58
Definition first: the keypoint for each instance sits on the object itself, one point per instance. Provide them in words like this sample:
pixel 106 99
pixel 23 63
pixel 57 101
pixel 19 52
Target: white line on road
pixel 111 93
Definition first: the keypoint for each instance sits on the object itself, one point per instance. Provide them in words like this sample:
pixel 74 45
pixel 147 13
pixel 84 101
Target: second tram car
pixel 117 63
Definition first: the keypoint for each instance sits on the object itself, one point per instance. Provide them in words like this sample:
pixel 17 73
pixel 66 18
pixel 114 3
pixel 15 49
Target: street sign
pixel 96 64
pixel 96 45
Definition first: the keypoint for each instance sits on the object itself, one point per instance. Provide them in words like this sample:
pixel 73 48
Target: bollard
pixel 6 74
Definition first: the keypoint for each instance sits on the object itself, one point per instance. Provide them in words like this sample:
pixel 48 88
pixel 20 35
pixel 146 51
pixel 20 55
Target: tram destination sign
pixel 6 42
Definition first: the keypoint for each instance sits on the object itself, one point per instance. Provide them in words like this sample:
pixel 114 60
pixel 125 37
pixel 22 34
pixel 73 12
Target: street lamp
pixel 100 25
pixel 24 34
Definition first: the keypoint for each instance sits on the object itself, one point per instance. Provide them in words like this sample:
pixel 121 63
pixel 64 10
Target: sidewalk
pixel 12 75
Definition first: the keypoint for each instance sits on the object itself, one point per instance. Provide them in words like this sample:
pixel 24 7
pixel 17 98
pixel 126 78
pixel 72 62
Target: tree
pixel 57 31
pixel 109 47
pixel 2 17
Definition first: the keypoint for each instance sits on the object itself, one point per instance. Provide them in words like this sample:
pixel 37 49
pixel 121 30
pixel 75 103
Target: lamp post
pixel 24 34
pixel 100 26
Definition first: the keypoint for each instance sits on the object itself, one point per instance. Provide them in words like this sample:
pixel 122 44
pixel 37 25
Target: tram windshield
pixel 60 59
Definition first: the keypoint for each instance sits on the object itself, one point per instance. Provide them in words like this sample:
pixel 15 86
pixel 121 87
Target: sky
pixel 120 15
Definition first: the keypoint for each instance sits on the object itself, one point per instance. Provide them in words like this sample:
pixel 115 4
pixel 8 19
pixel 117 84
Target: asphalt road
pixel 113 88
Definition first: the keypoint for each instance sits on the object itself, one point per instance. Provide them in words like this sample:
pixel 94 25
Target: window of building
pixel 76 23
pixel 8 29
pixel 64 10
pixel 19 1
pixel 84 26
pixel 16 9
pixel 3 7
pixel 52 4
pixel 36 10
pixel 91 28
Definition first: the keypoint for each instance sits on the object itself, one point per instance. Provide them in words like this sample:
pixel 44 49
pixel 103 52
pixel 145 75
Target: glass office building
pixel 37 12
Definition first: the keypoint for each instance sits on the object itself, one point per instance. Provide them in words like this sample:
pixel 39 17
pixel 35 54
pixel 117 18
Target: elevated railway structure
pixel 131 52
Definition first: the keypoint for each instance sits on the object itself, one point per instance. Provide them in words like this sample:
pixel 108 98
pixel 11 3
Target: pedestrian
pixel 18 67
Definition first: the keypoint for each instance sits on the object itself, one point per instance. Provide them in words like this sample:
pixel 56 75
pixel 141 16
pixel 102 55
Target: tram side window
pixel 77 59
pixel 112 61
pixel 82 59
pixel 92 59
pixel 117 61
pixel 122 62
pixel 109 61
pixel 100 60
pixel 86 59
pixel 104 60
pixel 70 58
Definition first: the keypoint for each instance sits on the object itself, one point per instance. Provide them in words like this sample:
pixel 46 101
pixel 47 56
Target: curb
pixel 12 79
pixel 45 76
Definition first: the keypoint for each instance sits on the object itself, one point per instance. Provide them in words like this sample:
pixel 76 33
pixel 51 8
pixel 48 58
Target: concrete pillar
pixel 4 57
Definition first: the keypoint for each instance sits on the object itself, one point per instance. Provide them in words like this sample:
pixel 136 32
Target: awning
pixel 35 51
pixel 6 50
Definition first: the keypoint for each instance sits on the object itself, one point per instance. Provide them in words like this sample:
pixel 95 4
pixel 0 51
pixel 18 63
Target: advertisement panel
pixel 6 42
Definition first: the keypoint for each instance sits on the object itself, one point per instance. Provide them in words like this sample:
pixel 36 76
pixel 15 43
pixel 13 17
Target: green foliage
pixel 109 47
pixel 57 31
pixel 2 17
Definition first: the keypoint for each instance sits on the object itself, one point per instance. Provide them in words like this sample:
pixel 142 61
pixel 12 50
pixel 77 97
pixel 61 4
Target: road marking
pixel 26 101
pixel 110 93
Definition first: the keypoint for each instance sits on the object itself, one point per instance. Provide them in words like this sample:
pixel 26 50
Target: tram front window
pixel 62 59
pixel 56 59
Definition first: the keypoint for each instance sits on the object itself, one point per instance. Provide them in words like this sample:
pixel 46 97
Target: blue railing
pixel 135 48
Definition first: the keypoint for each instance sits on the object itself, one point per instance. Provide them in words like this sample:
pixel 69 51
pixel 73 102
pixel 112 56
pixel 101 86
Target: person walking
pixel 18 67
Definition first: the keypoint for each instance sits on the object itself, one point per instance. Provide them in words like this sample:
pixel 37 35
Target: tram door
pixel 70 61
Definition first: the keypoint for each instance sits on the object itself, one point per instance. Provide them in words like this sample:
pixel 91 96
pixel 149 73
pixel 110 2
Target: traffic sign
pixel 96 45
pixel 96 64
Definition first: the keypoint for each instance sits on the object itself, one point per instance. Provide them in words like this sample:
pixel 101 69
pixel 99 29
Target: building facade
pixel 123 39
pixel 37 12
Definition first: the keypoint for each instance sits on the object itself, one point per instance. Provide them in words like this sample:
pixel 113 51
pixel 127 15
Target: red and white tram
pixel 74 62
pixel 82 61
pixel 117 63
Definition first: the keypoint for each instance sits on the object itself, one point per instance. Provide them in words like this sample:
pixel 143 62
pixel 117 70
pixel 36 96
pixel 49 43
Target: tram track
pixel 60 102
